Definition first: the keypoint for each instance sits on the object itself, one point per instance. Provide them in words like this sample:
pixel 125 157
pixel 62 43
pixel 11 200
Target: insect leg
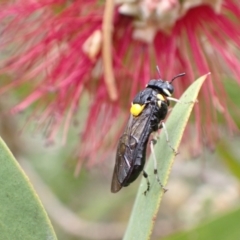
pixel 177 100
pixel 148 183
pixel 152 142
pixel 167 138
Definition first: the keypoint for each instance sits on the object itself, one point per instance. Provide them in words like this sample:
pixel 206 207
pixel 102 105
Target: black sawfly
pixel 149 109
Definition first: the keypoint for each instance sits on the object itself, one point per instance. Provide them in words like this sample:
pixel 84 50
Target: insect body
pixel 149 109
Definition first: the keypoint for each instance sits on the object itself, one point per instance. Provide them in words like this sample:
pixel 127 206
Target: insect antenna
pixel 179 75
pixel 158 70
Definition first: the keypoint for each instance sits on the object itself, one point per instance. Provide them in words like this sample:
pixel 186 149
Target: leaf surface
pixel 22 215
pixel 146 207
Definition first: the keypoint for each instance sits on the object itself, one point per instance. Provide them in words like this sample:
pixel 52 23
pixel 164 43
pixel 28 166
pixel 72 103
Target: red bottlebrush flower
pixel 65 49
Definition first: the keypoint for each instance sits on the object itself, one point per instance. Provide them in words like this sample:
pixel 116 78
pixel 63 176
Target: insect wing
pixel 127 149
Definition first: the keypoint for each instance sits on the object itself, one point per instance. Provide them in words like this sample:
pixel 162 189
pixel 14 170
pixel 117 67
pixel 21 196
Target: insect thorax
pixel 147 102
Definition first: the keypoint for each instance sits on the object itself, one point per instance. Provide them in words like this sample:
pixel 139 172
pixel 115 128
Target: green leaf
pixel 146 207
pixel 21 213
pixel 223 228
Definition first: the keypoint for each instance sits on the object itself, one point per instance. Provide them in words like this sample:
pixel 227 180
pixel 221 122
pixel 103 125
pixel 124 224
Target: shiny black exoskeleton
pixel 131 150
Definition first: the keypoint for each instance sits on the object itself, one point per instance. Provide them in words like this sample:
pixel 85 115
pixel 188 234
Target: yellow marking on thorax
pixel 160 97
pixel 136 109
